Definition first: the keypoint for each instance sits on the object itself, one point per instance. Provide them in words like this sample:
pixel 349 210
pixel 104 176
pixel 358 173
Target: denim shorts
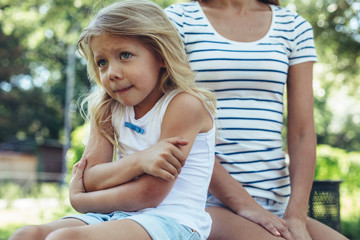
pixel 268 204
pixel 158 227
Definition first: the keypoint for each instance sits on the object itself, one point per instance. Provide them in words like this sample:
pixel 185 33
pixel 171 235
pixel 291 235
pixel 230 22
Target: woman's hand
pixel 297 228
pixel 232 194
pixel 272 223
pixel 164 159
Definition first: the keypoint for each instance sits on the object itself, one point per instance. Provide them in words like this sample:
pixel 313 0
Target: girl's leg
pixel 320 231
pixel 40 232
pixel 116 229
pixel 229 226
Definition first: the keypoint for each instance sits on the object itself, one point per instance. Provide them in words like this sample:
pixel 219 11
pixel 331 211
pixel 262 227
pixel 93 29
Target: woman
pixel 247 51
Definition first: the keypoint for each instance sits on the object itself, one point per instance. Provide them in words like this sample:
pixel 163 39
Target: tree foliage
pixel 35 35
pixel 336 27
pixel 33 62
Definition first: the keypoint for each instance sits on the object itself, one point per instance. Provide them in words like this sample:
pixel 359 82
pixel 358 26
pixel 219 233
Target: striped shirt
pixel 248 79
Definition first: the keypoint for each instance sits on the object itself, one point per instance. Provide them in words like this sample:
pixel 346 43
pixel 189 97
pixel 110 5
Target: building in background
pixel 26 162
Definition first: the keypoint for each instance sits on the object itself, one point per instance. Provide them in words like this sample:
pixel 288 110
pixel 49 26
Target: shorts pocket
pixel 193 235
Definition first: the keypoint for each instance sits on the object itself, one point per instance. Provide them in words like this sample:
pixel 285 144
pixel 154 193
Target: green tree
pixel 33 81
pixel 336 27
pixel 35 35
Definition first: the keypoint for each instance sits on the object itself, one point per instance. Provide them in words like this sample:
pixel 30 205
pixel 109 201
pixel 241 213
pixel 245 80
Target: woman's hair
pixel 147 22
pixel 275 2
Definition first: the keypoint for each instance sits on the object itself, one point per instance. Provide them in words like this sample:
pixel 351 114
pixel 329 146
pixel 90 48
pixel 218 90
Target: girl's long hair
pixel 147 22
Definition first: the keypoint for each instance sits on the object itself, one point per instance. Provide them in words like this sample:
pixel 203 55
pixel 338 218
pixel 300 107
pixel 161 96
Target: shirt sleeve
pixel 303 46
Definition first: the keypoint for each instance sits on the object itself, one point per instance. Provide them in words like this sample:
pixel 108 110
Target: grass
pixel 7 230
pixel 38 204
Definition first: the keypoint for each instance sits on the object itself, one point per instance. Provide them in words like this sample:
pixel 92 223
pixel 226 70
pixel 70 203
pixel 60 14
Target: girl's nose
pixel 115 72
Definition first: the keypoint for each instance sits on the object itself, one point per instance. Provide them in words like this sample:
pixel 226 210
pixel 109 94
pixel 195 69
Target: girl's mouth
pixel 124 90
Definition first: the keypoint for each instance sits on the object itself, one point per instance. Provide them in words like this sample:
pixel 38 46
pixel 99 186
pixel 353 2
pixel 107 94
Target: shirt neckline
pixel 147 115
pixel 266 36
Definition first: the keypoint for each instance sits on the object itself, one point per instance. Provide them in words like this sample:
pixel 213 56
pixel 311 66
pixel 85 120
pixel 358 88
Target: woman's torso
pixel 248 79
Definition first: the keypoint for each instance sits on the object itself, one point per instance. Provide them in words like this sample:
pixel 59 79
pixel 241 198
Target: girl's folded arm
pixel 101 172
pixel 185 117
pixel 147 191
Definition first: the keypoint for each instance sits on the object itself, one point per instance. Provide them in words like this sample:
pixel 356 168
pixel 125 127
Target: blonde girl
pixel 148 108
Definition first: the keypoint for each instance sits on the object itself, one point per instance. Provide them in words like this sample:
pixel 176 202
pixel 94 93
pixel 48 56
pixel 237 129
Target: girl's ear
pixel 163 63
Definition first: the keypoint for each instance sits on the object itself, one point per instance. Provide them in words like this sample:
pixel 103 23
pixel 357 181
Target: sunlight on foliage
pixel 79 139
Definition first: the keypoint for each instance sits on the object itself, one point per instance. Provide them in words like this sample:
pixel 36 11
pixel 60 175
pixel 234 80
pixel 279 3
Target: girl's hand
pixel 164 159
pixel 76 182
pixel 298 229
pixel 272 223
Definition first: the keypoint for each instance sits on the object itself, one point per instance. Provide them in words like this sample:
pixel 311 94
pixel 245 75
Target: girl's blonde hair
pixel 147 22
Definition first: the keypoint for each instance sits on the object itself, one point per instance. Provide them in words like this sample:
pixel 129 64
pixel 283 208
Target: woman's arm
pixel 233 195
pixel 301 139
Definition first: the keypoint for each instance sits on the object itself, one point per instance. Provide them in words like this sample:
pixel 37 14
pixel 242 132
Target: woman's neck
pixel 249 21
pixel 238 6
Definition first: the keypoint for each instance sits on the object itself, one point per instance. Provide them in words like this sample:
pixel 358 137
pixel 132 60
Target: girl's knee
pixel 29 232
pixel 64 233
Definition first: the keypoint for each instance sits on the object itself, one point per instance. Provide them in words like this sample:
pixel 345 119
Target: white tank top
pixel 186 201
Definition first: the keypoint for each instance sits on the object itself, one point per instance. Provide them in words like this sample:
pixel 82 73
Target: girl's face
pixel 129 71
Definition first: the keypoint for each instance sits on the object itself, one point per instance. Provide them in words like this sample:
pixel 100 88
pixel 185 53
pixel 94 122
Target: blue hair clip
pixel 134 128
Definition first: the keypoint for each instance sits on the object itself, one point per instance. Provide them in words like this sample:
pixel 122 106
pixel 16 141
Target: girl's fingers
pixel 82 164
pixel 79 168
pixel 166 175
pixel 179 156
pixel 173 164
pixel 177 141
pixel 167 172
pixel 74 170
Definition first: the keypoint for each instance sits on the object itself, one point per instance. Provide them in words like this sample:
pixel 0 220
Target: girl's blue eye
pixel 101 62
pixel 125 55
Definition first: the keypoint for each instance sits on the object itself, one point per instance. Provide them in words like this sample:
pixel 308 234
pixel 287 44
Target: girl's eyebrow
pixel 95 53
pixel 98 56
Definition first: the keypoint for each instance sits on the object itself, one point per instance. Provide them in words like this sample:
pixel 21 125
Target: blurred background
pixel 42 78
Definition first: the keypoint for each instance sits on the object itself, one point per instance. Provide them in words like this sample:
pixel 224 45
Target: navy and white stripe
pixel 248 79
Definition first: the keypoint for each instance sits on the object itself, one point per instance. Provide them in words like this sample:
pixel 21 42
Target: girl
pixel 147 106
pixel 247 51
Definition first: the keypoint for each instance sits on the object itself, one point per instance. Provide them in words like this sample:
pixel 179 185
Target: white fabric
pixel 186 201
